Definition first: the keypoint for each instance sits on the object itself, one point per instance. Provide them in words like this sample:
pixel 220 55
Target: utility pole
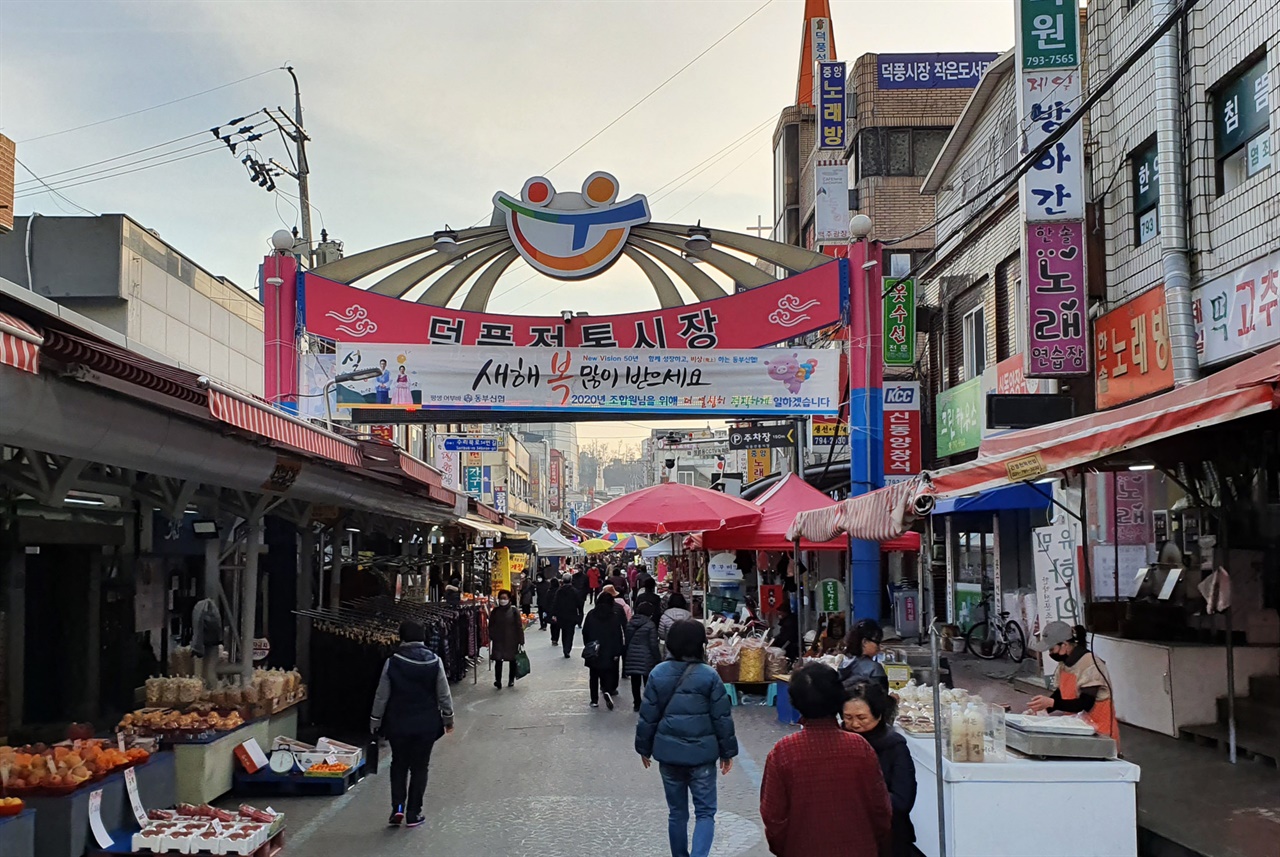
pixel 304 189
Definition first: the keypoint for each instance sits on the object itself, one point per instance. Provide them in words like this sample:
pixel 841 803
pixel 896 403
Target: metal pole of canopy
pixel 935 662
pixel 249 593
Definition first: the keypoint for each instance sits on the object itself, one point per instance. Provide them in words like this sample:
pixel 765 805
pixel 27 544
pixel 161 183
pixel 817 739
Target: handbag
pixel 522 664
pixel 591 651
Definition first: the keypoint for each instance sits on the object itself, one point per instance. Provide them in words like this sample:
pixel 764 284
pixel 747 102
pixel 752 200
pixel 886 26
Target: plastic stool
pixel 733 693
pixel 771 697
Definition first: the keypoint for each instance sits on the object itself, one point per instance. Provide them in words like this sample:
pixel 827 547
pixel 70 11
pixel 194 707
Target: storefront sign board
pixel 1132 350
pixel 831 118
pixel 931 71
pixel 899 322
pixel 959 418
pixel 1057 332
pixel 1238 313
pixel 903 438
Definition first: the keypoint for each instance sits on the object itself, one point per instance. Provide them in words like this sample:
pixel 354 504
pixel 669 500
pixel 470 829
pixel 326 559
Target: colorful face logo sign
pixel 571 235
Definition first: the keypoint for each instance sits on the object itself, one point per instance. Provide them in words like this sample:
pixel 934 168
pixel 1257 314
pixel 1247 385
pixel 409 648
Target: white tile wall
pixel 1227 231
pixel 203 335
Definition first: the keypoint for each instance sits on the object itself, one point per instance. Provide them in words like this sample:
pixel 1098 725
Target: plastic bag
pixel 522 665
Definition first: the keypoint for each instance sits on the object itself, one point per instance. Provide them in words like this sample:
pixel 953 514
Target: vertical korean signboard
pixel 831 127
pixel 1132 356
pixel 899 322
pixel 1052 191
pixel 554 477
pixel 831 202
pixel 903 456
pixel 759 464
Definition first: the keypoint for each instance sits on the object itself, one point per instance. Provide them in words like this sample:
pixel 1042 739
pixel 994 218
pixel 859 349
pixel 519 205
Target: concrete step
pixel 1258 745
pixel 1252 714
pixel 1265 688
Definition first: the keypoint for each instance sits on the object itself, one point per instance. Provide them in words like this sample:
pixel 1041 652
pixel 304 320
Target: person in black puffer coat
pixel 566 614
pixel 603 626
pixel 413 709
pixel 869 711
pixel 642 650
pixel 687 725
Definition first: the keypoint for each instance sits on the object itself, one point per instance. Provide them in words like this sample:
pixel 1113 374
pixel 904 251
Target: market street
pixel 534 770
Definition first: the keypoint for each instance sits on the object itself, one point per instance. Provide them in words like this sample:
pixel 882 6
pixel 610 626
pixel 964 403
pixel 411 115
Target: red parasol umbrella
pixel 671 507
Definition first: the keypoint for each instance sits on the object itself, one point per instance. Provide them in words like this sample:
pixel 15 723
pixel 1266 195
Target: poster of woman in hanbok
pixel 400 393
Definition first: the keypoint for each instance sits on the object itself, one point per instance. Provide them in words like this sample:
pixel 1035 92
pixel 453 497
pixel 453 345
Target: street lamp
pixel 343 378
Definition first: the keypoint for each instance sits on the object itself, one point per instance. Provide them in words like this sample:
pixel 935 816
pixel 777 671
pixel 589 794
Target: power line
pixel 116 175
pixel 146 109
pixel 28 185
pixel 660 86
pixel 120 157
pixel 53 190
pixel 754 152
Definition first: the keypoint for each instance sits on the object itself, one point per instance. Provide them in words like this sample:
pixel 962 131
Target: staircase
pixel 1257 723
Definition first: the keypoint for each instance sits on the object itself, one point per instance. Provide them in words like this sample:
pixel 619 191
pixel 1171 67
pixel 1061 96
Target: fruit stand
pixel 62 821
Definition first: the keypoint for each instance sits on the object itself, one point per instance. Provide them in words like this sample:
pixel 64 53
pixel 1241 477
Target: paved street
pixel 534 770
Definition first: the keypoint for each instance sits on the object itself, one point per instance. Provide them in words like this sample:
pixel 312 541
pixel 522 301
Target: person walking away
pixel 822 791
pixel 860 648
pixel 506 638
pixel 580 583
pixel 545 589
pixel 526 595
pixel 1083 685
pixel 787 636
pixel 453 592
pixel 618 581
pixel 650 595
pixel 677 609
pixel 593 583
pixel 413 709
pixel 633 575
pixel 619 603
pixel 686 724
pixel 556 586
pixel 603 640
pixel 641 654
pixel 566 614
pixel 870 712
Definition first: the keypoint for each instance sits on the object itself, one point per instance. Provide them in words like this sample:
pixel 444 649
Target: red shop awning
pixel 1242 390
pixel 905 543
pixel 779 507
pixel 260 418
pixel 19 344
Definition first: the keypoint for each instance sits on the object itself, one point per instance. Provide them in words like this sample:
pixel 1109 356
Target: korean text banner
pixel 959 418
pixel 899 322
pixel 1057 343
pixel 750 319
pixel 931 71
pixel 1053 189
pixel 831 116
pixel 759 381
pixel 1238 313
pixel 903 441
pixel 1132 344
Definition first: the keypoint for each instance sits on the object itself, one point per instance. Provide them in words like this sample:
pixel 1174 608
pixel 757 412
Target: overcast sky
pixel 419 111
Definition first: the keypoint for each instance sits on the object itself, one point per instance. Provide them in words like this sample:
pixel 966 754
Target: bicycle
pixel 990 642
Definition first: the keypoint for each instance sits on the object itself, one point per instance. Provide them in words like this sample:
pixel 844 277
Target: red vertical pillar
pixel 279 292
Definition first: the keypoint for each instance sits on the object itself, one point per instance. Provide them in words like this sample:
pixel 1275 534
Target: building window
pixel 1242 125
pixel 1146 192
pixel 685 477
pixel 898 151
pixel 974 333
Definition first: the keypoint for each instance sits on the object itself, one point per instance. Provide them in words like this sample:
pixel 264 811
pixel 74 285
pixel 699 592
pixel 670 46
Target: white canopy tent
pixel 665 547
pixel 549 543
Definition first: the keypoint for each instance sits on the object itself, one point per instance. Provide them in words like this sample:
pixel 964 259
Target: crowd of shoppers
pixel 844 785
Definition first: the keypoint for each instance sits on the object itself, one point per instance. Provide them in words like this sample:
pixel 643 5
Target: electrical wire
pixel 740 165
pixel 661 86
pixel 203 144
pixel 146 109
pixel 117 175
pixel 52 190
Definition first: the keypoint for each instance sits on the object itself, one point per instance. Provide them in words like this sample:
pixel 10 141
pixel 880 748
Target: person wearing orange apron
pixel 1083 686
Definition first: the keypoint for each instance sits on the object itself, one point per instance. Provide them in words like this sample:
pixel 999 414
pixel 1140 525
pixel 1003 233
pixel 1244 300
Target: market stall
pixel 17 828
pixel 194 829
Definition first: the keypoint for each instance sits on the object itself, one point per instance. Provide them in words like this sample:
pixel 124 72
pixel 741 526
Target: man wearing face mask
pixel 506 636
pixel 1083 685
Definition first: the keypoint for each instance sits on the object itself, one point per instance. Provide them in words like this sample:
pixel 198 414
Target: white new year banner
pixel 769 381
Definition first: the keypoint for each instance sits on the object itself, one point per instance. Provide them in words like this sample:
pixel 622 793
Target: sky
pixel 420 111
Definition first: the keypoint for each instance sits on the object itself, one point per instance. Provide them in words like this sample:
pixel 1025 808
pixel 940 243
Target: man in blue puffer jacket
pixel 687 725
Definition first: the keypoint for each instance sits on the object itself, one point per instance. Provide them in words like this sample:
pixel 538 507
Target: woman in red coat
pixel 822 791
